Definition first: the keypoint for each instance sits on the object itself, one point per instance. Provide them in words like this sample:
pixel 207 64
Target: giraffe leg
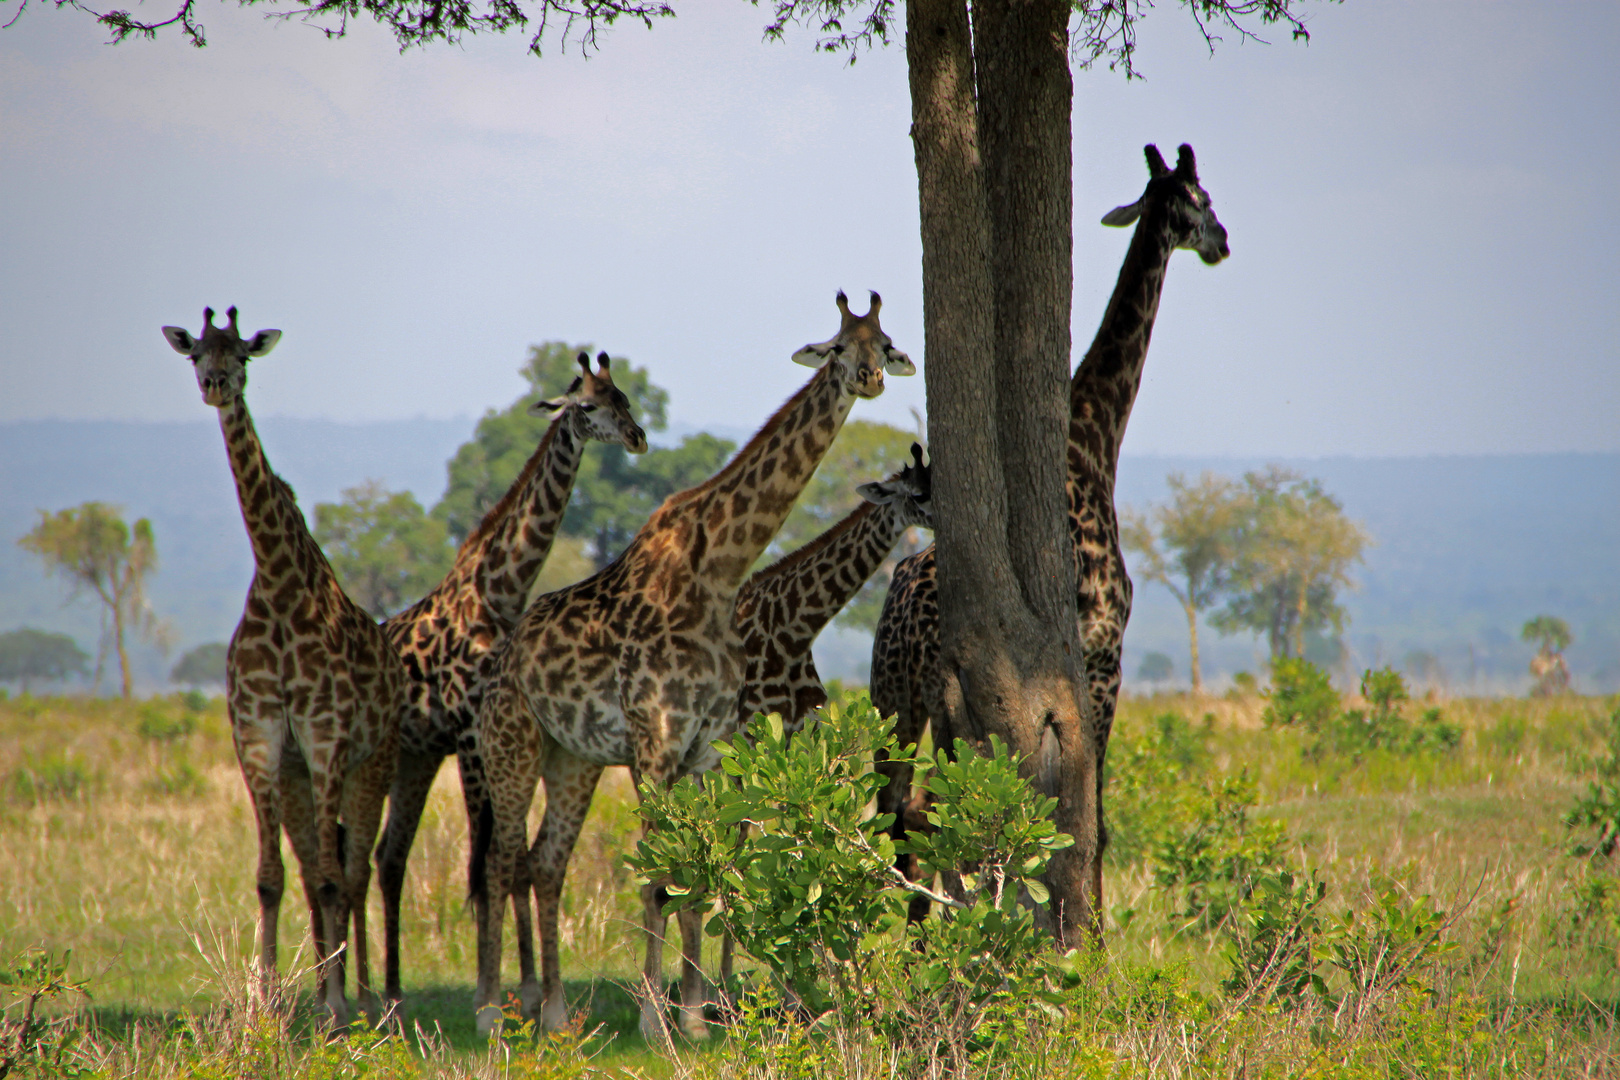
pixel 363 794
pixel 271 877
pixel 472 795
pixel 693 995
pixel 570 785
pixel 658 765
pixel 413 780
pixel 298 810
pixel 501 840
pixel 327 774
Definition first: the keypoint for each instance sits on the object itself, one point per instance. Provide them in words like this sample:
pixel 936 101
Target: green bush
pixel 156 725
pixel 1145 775
pixel 179 780
pixel 812 891
pixel 1598 809
pixel 1300 696
pixel 56 776
pixel 1215 855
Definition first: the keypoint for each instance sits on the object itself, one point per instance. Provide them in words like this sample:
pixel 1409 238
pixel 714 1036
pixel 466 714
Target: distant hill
pixel 1467 548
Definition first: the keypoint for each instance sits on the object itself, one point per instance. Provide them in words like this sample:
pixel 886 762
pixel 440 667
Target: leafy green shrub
pixel 1599 807
pixel 1274 940
pixel 156 725
pixel 812 891
pixel 1144 776
pixel 1300 696
pixel 1387 943
pixel 32 1044
pixel 195 700
pixel 177 781
pixel 56 776
pixel 1217 854
pixel 1382 726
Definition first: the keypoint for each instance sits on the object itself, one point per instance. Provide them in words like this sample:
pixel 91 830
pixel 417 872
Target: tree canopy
pixel 387 552
pixel 1295 548
pixel 27 654
pixel 202 666
pixel 1188 545
pixel 90 547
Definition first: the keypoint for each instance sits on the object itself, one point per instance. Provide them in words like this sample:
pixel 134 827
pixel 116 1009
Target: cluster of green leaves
pixel 1301 696
pixel 52 776
pixel 1194 827
pixel 1598 808
pixel 35 1042
pixel 811 891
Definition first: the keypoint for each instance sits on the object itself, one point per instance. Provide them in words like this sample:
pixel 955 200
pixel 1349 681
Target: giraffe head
pixel 910 491
pixel 861 349
pixel 220 356
pixel 602 407
pixel 1185 206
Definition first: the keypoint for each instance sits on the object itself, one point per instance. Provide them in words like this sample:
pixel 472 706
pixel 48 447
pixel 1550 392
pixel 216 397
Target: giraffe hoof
pixel 489 1019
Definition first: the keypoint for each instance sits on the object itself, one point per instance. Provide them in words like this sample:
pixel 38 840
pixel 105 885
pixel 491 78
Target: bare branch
pixel 1105 30
pixel 827 17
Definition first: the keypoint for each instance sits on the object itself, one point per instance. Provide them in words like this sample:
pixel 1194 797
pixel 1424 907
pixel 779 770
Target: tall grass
pixel 126 836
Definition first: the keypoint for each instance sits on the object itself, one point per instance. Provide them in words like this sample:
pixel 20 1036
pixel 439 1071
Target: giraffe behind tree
pixel 641 665
pixel 1173 213
pixel 314 689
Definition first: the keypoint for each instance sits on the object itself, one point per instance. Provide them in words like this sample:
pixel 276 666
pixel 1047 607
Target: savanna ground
pixel 127 838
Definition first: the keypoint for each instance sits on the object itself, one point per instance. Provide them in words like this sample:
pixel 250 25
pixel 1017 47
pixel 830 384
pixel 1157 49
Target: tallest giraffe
pixel 1173 213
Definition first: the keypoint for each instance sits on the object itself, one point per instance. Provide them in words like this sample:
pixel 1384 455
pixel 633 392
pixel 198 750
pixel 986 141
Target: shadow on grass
pixel 611 1019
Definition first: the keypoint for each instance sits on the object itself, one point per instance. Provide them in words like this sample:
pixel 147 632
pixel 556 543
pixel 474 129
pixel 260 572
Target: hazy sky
pixel 1426 243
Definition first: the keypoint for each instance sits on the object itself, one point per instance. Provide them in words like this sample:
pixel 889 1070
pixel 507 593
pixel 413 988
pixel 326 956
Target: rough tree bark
pixel 990 128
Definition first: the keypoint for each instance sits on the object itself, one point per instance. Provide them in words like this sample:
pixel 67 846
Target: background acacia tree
pixel 383 546
pixel 1295 547
pixel 202 666
pixel 27 655
pixel 1188 545
pixel 1550 635
pixel 90 547
pixel 992 93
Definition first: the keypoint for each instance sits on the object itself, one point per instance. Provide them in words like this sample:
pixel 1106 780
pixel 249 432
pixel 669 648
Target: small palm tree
pixel 1551 637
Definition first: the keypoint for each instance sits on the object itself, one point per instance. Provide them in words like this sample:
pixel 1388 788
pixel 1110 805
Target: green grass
pixel 126 837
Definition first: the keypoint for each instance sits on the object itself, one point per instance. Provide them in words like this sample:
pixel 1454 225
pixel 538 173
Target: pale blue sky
pixel 1426 246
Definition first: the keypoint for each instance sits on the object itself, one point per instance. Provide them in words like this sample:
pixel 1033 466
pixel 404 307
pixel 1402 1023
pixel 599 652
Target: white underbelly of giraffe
pixel 677 721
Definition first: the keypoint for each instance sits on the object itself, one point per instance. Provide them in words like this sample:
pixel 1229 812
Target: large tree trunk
pixel 996 286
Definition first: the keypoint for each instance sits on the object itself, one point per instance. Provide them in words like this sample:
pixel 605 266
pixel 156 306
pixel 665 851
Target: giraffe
pixel 1174 212
pixel 315 690
pixel 783 608
pixel 641 665
pixel 444 637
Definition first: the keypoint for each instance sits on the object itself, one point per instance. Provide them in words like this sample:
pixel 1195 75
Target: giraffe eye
pixel 586 406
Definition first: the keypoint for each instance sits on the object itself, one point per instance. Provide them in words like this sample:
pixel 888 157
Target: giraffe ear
pixel 263 342
pixel 179 339
pixel 1121 216
pixel 896 362
pixel 545 407
pixel 880 492
pixel 814 355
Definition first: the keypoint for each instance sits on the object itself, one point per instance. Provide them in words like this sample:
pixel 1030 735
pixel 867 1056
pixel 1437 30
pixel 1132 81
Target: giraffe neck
pixel 282 546
pixel 500 559
pixel 722 526
pixel 1104 385
pixel 796 597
